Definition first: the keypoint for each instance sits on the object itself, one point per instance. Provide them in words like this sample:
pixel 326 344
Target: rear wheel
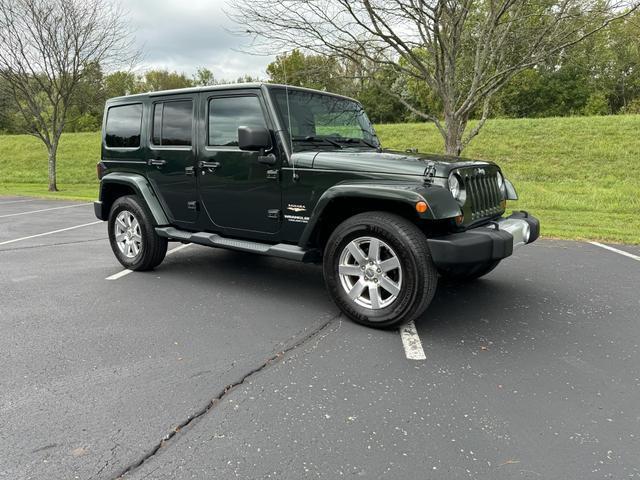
pixel 469 273
pixel 378 269
pixel 132 236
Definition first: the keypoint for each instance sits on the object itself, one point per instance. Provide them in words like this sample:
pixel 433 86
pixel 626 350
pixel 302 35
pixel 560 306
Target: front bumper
pixel 489 243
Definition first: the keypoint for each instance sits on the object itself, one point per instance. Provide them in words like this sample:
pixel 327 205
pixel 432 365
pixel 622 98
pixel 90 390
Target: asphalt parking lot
pixel 532 372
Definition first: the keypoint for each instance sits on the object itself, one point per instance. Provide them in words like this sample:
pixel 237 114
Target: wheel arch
pixel 117 184
pixel 345 200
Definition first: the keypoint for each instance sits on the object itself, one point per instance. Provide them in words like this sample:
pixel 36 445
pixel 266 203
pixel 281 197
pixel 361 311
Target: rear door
pixel 172 156
pixel 240 195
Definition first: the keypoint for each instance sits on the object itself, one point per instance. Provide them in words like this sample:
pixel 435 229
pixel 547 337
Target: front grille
pixel 483 193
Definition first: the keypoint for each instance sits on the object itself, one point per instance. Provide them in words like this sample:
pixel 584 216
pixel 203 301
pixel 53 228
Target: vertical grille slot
pixel 483 194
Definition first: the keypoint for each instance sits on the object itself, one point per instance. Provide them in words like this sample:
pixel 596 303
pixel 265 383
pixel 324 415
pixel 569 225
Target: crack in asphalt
pixel 192 419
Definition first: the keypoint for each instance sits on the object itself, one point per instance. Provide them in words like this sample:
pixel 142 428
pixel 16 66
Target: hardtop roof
pixel 228 86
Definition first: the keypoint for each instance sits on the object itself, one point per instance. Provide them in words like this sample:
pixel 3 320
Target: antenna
pixel 286 91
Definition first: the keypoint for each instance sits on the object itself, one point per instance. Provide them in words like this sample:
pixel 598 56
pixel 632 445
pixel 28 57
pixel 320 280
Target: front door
pixel 240 195
pixel 171 158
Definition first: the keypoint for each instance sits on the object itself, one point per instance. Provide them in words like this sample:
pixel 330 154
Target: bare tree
pixel 46 48
pixel 462 50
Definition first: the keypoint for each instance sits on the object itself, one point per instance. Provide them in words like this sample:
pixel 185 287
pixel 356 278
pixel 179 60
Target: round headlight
pixel 454 186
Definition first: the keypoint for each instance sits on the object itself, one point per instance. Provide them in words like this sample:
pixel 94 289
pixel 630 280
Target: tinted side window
pixel 228 113
pixel 123 126
pixel 172 123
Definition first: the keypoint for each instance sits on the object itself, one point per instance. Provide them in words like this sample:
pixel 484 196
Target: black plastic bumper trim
pixel 471 247
pixel 98 209
pixel 478 245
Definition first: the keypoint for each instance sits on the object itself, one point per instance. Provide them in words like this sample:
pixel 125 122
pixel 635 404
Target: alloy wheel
pixel 127 234
pixel 370 272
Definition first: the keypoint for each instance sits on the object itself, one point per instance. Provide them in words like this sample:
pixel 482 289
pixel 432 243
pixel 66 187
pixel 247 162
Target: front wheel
pixel 132 236
pixel 378 269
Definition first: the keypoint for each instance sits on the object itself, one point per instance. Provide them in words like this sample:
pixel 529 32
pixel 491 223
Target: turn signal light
pixel 421 207
pixel 100 170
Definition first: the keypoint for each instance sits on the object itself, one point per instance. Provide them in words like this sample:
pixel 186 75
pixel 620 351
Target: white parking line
pixel 50 233
pixel 18 201
pixel 126 271
pixel 621 252
pixel 44 210
pixel 177 249
pixel 411 341
pixel 118 275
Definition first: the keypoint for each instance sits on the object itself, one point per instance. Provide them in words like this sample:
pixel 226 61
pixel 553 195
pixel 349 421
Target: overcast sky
pixel 183 35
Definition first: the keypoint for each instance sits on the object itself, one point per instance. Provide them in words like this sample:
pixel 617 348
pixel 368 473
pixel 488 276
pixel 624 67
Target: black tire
pixel 418 276
pixel 469 273
pixel 152 249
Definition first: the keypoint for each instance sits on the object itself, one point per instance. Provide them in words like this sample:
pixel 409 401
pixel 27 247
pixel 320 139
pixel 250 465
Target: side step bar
pixel 281 250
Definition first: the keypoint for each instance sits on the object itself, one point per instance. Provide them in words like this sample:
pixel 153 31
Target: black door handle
pixel 158 162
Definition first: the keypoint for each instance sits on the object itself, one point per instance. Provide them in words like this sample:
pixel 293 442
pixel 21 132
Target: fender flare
pixel 440 202
pixel 141 186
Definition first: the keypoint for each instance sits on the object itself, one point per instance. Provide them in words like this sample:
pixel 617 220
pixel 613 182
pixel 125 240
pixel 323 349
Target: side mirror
pixel 253 138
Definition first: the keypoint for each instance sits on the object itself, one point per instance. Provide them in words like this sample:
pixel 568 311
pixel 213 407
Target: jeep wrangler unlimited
pixel 300 174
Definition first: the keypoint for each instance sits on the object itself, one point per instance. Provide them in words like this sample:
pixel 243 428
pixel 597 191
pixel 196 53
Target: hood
pixel 391 162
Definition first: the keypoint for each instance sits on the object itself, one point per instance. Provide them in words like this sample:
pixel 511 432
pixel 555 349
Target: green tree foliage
pixel 85 113
pixel 6 111
pixel 599 76
pixel 346 78
pixel 156 80
pixel 374 95
pixel 310 71
pixel 118 84
pixel 463 51
pixel 596 77
pixel 203 77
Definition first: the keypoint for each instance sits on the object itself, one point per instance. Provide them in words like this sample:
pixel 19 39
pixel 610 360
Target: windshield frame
pixel 299 143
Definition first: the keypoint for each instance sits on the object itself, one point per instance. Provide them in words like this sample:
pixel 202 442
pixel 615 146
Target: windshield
pixel 315 119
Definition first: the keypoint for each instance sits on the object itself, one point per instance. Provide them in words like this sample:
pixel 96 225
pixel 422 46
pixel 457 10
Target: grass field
pixel 579 175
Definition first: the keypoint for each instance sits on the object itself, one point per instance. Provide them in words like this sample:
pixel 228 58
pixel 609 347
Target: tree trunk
pixel 53 150
pixel 454 129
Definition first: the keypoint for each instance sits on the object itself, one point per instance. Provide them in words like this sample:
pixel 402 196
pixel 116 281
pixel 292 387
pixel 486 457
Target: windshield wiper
pixel 312 138
pixel 359 140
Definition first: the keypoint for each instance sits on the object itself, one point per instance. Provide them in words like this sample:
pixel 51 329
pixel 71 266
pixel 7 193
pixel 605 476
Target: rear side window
pixel 172 123
pixel 228 113
pixel 123 126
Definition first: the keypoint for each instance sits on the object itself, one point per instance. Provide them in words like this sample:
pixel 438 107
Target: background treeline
pixel 599 76
pixel 96 87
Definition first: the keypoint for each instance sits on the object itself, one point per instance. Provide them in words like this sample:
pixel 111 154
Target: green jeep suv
pixel 300 174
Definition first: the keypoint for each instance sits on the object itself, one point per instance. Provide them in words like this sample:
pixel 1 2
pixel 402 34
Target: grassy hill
pixel 579 175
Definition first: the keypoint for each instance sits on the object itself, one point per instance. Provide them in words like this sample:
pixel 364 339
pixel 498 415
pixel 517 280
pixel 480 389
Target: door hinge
pixel 193 205
pixel 189 171
pixel 272 174
pixel 273 213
